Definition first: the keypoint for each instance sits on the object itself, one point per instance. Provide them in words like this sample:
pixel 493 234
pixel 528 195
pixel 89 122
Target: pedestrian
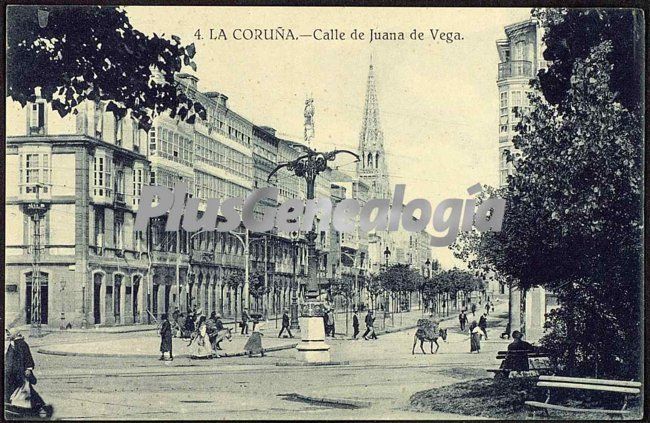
pixel 487 307
pixel 462 318
pixel 325 325
pixel 203 347
pixel 370 330
pixel 473 309
pixel 355 324
pixel 475 337
pixel 331 323
pixel 285 325
pixel 254 342
pixel 166 338
pixel 19 364
pixel 517 362
pixel 482 323
pixel 244 322
pixel 19 378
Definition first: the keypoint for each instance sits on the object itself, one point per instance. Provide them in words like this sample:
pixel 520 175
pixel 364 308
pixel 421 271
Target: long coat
pixel 18 358
pixel 166 337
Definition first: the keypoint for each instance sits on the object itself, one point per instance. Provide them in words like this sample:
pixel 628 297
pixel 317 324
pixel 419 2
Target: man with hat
pixel 517 362
pixel 285 324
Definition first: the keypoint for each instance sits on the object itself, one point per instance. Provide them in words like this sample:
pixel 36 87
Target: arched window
pixel 377 160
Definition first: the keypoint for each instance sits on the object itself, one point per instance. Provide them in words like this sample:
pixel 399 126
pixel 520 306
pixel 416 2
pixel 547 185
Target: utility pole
pixel 295 323
pixel 36 209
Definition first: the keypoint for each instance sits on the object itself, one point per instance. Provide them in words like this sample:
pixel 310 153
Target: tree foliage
pixel 573 220
pixel 400 278
pixel 570 35
pixel 256 285
pixel 94 53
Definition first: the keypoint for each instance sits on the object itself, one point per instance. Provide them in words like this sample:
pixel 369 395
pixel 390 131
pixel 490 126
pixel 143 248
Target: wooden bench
pixel 538 362
pixel 626 388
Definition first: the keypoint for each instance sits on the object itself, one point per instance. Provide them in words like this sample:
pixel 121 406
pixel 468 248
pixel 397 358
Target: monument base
pixel 312 348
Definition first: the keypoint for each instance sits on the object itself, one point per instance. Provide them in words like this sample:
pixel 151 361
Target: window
pixel 37 119
pixel 102 176
pixel 119 182
pixel 118 232
pixel 35 172
pixel 99 227
pixel 138 179
pixel 503 112
pixel 118 131
pixel 152 141
pixel 136 136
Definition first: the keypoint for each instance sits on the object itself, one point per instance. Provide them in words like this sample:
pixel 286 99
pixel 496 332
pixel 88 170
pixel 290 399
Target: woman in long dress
pixel 165 338
pixel 203 346
pixel 475 337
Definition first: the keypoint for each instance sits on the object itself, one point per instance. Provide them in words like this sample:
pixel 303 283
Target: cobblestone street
pixel 119 377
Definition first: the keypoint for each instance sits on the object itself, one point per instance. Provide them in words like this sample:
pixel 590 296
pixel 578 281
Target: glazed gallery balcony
pixel 515 68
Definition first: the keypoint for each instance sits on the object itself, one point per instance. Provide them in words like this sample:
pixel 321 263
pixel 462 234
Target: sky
pixel 438 101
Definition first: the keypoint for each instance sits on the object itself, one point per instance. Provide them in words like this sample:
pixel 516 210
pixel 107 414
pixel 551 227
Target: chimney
pixel 188 79
pixel 221 99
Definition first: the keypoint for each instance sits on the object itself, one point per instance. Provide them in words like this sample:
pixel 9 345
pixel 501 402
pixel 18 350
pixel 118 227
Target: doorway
pixel 44 297
pixel 97 297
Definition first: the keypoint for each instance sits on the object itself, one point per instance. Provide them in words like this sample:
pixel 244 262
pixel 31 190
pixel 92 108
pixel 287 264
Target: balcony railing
pixel 120 198
pixel 515 68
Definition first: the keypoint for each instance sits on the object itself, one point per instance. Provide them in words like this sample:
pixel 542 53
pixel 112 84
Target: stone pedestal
pixel 515 309
pixel 312 348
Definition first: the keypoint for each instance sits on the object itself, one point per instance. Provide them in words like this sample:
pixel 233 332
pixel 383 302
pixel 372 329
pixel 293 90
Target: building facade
pixel 520 59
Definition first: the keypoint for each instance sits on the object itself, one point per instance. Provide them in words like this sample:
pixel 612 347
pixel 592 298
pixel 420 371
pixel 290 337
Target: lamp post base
pixel 312 348
pixel 295 325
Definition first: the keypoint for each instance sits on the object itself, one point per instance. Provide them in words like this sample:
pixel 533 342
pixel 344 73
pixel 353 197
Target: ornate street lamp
pixel 313 348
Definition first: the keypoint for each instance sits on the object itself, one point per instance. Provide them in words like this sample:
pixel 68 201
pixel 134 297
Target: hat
pixel 516 334
pixel 13 335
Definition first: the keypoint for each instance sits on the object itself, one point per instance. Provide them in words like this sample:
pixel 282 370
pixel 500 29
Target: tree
pixel 94 53
pixel 256 287
pixel 375 289
pixel 571 34
pixel 235 281
pixel 573 221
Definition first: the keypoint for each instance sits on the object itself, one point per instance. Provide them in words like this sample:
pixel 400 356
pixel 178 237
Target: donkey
pixel 422 336
pixel 225 333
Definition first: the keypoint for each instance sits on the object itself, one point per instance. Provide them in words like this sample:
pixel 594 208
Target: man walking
pixel 355 324
pixel 370 330
pixel 462 318
pixel 285 325
pixel 244 322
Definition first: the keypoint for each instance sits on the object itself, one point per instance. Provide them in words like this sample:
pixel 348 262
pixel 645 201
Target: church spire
pixel 371 137
pixel 372 167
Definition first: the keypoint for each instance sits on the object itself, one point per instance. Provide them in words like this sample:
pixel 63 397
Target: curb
pixel 335 401
pixel 292 364
pixel 224 355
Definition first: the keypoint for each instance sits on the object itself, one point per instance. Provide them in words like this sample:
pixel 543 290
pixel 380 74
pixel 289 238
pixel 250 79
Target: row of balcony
pixel 515 68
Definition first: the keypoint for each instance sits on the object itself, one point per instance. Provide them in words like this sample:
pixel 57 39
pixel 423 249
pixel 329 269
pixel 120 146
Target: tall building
pixel 520 58
pixel 82 175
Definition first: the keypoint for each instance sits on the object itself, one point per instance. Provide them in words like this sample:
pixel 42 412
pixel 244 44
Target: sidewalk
pixel 148 345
